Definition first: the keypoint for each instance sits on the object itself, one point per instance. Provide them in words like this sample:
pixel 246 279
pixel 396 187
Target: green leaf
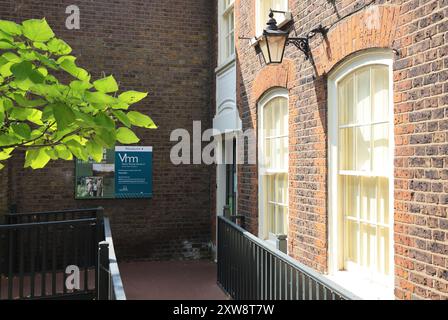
pixel 63 153
pixel 95 150
pixel 104 121
pixel 80 85
pixel 47 61
pixel 22 114
pixel 22 130
pixel 126 136
pixel 48 91
pixel 40 46
pixel 105 137
pixel 10 27
pixel 120 105
pixel 64 115
pixel 77 149
pixel 37 30
pixel 84 119
pixel 99 98
pixel 6 45
pixel 52 154
pixel 7 139
pixel 22 70
pixel 5 154
pixel 131 97
pixel 23 102
pixel 70 66
pixel 106 85
pixel 140 120
pixel 36 158
pixel 11 57
pixel 120 115
pixel 2 112
pixel 1 166
pixel 5 69
pixel 59 47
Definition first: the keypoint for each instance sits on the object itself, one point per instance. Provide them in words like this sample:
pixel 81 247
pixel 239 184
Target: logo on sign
pixel 127 159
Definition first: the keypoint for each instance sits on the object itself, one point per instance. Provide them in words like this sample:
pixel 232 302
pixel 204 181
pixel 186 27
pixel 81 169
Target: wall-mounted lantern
pixel 274 41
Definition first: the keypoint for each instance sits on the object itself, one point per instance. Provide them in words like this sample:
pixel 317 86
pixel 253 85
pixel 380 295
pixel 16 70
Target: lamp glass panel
pixel 276 47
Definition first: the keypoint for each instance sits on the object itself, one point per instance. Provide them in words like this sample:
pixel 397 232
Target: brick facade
pixel 142 44
pixel 3 191
pixel 417 30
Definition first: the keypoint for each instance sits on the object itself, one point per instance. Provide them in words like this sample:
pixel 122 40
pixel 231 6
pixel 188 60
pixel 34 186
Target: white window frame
pixel 371 57
pixel 262 221
pixel 223 59
pixel 260 22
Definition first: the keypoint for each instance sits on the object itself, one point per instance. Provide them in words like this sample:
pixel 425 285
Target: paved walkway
pixel 170 280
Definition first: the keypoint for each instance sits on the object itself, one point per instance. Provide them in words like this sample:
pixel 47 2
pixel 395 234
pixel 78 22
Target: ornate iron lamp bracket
pixel 302 44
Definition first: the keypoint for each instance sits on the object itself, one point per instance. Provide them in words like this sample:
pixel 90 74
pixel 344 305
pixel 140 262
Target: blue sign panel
pixel 133 172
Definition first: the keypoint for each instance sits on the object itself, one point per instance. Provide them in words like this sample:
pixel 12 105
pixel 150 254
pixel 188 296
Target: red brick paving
pixel 170 280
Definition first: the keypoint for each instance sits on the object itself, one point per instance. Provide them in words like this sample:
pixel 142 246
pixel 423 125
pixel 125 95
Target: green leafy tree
pixel 53 119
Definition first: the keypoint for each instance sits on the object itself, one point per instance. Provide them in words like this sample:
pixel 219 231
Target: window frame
pixel 270 95
pixel 223 35
pixel 368 58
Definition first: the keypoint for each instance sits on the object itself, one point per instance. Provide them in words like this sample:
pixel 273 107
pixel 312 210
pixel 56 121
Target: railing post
pixel 99 220
pixel 103 280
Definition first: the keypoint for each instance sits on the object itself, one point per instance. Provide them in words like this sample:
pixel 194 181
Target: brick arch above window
pixel 374 27
pixel 274 76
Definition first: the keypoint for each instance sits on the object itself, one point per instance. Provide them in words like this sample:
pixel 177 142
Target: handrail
pixel 295 264
pixel 117 284
pixel 46 223
pixel 52 212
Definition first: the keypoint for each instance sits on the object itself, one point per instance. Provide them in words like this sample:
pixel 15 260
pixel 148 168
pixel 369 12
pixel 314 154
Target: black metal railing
pixel 34 257
pixel 60 215
pixel 110 286
pixel 37 250
pixel 250 270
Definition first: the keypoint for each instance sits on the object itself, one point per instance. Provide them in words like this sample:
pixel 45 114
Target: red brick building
pixel 351 172
pixel 352 143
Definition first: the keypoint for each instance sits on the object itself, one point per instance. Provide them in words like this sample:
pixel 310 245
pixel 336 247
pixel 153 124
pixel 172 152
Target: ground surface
pixel 171 280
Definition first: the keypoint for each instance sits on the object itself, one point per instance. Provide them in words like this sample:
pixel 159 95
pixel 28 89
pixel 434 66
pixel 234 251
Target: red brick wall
pixel 3 191
pixel 418 31
pixel 421 163
pixel 158 46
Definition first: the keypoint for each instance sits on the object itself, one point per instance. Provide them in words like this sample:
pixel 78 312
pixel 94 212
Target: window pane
pixel 284 153
pixel 368 199
pixel 380 87
pixel 352 241
pixel 383 251
pixel 280 220
pixel 363 152
pixel 383 200
pixel 381 148
pixel 346 149
pixel 350 195
pixel 346 98
pixel 362 110
pixel 368 246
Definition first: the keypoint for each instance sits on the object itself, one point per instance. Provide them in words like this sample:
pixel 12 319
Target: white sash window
pixel 361 169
